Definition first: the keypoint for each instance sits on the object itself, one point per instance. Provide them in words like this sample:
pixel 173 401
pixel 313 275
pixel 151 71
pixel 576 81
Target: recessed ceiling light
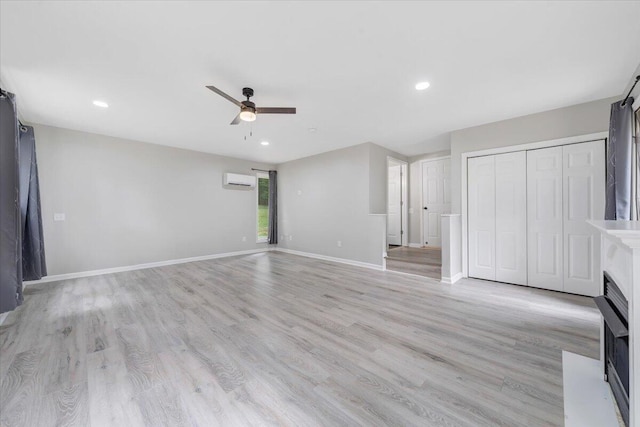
pixel 422 85
pixel 312 130
pixel 100 104
pixel 265 143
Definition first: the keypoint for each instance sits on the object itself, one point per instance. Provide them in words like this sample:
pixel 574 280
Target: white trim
pixel 415 245
pixel 508 149
pixel 58 277
pixel 538 144
pixel 422 191
pixel 430 159
pixel 404 211
pixel 333 259
pixel 3 316
pixel 451 280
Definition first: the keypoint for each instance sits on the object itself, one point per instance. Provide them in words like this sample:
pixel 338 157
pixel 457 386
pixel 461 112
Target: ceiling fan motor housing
pixel 248 105
pixel 248 92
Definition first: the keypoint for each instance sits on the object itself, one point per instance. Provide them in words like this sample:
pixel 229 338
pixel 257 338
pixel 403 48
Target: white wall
pixel 576 120
pixel 325 198
pixel 129 202
pixel 415 194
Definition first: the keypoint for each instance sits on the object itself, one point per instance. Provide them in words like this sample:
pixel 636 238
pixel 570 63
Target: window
pixel 263 207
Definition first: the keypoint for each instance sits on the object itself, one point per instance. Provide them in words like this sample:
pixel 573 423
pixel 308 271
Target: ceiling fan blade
pixel 275 110
pixel 236 120
pixel 224 95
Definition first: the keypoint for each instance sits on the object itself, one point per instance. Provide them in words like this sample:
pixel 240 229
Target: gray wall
pixel 326 198
pixel 128 202
pixel 576 120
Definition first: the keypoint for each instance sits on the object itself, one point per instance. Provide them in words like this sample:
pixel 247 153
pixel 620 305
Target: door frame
pixel 404 207
pixel 598 136
pixel 421 164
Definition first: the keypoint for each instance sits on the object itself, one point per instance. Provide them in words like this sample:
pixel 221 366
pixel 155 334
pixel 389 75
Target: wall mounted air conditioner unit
pixel 239 180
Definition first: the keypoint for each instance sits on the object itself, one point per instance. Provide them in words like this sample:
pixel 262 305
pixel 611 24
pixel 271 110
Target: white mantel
pixel 620 252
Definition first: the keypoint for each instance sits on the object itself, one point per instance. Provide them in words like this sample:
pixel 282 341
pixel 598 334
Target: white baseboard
pixel 451 280
pixel 333 259
pixel 415 245
pixel 57 277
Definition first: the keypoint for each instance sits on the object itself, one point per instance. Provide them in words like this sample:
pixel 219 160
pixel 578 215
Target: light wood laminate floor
pixel 277 339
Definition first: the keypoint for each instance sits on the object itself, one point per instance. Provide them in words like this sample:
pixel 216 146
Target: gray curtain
pixel 273 207
pixel 33 262
pixel 619 161
pixel 10 224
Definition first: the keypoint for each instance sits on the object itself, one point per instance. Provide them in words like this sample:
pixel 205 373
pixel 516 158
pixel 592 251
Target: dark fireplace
pixel 615 311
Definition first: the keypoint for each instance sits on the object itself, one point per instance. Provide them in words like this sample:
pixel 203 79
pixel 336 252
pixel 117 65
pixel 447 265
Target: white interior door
pixel 544 218
pixel 394 211
pixel 511 217
pixel 482 217
pixel 584 199
pixel 436 198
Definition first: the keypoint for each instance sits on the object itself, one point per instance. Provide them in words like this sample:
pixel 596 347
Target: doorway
pixel 433 199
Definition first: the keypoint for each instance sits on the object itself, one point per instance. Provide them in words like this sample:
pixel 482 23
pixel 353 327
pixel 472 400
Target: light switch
pixel 59 217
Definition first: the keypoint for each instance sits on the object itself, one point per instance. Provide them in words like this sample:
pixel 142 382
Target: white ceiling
pixel 349 67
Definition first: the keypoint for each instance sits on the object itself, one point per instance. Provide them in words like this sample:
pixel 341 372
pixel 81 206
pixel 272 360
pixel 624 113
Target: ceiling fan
pixel 248 109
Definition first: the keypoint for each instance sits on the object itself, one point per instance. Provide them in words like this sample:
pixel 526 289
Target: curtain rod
pixel 630 90
pixel 260 170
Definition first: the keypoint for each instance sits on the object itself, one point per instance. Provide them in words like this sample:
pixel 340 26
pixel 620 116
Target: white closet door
pixel 511 217
pixel 584 199
pixel 544 218
pixel 482 217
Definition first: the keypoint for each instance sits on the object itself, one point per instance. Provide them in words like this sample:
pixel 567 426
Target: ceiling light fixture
pixel 247 115
pixel 100 104
pixel 265 143
pixel 312 130
pixel 422 85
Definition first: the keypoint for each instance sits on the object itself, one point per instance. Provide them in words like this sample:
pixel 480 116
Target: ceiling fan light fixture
pixel 247 115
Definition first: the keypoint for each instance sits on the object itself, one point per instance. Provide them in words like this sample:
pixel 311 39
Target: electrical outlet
pixel 339 243
pixel 244 238
pixel 290 237
pixel 59 217
pixel 299 192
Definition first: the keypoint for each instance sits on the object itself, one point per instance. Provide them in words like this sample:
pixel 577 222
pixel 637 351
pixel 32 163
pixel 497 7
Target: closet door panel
pixel 482 217
pixel 584 190
pixel 511 217
pixel 544 218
